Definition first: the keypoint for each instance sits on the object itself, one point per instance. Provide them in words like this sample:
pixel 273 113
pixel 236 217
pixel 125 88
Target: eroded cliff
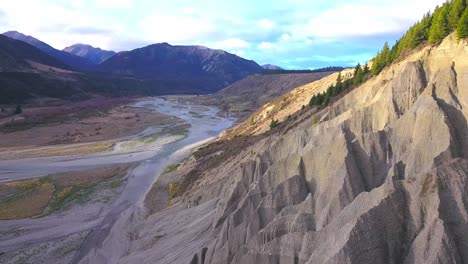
pixel 379 176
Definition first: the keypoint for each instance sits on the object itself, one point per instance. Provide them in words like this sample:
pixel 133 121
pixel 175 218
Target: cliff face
pixel 380 176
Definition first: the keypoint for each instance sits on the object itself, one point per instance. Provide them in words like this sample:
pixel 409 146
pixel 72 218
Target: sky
pixel 294 34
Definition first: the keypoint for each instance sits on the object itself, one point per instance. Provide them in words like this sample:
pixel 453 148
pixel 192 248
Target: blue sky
pixel 294 34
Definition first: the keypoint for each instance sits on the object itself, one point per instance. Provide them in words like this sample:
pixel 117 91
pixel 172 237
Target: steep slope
pixel 65 57
pixel 17 55
pixel 199 67
pixel 379 176
pixel 248 94
pixel 284 106
pixel 95 55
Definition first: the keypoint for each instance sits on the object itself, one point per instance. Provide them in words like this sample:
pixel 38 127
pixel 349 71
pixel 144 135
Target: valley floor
pixel 58 201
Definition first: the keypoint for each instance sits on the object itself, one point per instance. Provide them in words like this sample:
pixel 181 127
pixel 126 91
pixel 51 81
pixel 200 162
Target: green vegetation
pixel 361 74
pixel 251 121
pixel 440 27
pixel 274 123
pixel 171 167
pixel 173 189
pixel 40 197
pixel 462 30
pixel 433 28
pixel 455 13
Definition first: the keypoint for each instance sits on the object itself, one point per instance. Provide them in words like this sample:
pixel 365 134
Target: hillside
pixel 95 55
pixel 203 69
pixel 283 106
pixel 245 96
pixel 16 55
pixel 71 60
pixel 378 176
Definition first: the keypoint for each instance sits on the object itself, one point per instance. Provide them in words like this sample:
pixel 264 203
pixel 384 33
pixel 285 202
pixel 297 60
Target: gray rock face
pixel 381 178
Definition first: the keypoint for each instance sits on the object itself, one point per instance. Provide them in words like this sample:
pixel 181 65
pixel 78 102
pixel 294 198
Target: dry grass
pixel 39 197
pixel 44 127
pixel 29 202
pixel 74 149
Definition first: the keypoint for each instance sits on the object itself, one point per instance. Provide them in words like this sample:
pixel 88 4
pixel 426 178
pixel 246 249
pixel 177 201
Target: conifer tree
pixel 326 100
pixel 366 69
pixel 462 29
pixel 440 27
pixel 386 55
pixel 376 65
pixel 339 82
pixel 457 7
pixel 381 60
pixel 358 75
pixel 422 30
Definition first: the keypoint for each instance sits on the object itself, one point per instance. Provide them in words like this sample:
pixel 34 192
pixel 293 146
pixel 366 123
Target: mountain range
pixel 153 70
pixel 206 68
pixel 271 67
pixel 17 55
pixel 73 61
pixel 94 55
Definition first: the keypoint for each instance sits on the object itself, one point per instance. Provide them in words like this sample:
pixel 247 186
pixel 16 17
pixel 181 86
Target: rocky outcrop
pixel 380 176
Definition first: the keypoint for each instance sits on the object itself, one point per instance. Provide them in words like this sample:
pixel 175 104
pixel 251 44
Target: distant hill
pixel 16 55
pixel 203 69
pixel 271 67
pixel 73 61
pixel 27 73
pixel 281 71
pixel 245 96
pixel 95 55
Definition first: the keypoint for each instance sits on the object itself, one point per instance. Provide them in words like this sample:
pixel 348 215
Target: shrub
pixel 274 123
pixel 251 121
pixel 173 189
pixel 171 167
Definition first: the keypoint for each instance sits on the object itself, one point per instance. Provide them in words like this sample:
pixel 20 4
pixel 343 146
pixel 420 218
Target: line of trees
pixel 433 28
pixel 361 74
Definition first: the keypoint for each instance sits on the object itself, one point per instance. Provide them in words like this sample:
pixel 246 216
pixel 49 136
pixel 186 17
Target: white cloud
pixel 285 37
pixel 237 26
pixel 266 24
pixel 114 3
pixel 188 11
pixel 366 18
pixel 265 45
pixel 176 29
pixel 232 43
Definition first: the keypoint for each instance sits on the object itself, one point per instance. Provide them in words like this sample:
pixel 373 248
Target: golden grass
pixel 30 203
pixel 61 150
pixel 38 197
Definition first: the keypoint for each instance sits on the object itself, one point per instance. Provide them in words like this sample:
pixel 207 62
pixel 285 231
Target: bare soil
pixel 65 124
